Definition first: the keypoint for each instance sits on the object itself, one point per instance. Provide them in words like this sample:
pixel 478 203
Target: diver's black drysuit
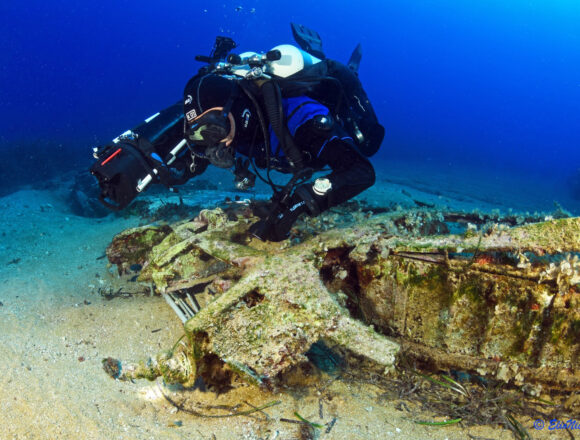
pixel 351 173
pixel 320 140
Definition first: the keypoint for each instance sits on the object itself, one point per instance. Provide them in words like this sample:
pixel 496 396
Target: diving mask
pixel 209 138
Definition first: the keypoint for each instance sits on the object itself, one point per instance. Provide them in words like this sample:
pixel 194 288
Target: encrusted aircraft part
pixel 501 302
pixel 505 304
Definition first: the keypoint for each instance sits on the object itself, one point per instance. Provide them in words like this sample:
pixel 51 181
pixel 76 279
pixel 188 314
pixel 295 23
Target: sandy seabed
pixel 55 328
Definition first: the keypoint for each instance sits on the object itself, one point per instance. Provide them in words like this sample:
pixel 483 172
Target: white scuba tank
pixel 293 60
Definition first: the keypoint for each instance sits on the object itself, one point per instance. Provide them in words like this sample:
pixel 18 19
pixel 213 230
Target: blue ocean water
pixel 487 86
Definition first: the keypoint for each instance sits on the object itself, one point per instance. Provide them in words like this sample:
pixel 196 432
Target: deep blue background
pixel 495 83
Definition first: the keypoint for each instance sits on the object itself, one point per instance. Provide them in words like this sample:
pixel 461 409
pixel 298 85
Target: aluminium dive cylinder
pixel 292 60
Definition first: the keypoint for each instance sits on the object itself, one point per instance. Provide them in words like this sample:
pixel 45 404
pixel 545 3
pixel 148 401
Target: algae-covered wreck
pixel 501 301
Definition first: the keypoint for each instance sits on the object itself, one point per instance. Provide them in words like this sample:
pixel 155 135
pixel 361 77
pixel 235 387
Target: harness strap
pixel 298 107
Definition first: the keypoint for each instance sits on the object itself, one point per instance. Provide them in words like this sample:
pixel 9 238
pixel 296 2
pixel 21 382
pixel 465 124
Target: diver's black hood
pixel 204 92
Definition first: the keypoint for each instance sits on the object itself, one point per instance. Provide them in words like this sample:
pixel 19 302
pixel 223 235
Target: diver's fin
pixel 354 61
pixel 308 40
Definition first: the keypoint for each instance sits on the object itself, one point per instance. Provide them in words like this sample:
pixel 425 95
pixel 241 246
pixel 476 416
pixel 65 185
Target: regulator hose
pixel 273 104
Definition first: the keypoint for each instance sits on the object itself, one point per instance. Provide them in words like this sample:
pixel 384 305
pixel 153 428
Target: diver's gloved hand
pixel 277 225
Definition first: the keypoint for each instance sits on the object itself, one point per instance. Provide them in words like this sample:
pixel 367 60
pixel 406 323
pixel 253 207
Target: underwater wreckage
pixel 501 302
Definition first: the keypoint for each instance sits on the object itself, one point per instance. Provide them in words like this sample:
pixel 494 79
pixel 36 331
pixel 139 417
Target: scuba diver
pixel 289 110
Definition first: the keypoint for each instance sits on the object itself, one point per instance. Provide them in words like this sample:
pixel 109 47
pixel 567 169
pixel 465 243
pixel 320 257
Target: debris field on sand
pixel 499 301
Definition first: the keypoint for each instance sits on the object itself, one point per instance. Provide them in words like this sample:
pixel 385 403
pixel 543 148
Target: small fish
pixel 238 8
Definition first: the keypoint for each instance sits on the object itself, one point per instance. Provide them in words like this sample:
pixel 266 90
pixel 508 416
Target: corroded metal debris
pixel 499 301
